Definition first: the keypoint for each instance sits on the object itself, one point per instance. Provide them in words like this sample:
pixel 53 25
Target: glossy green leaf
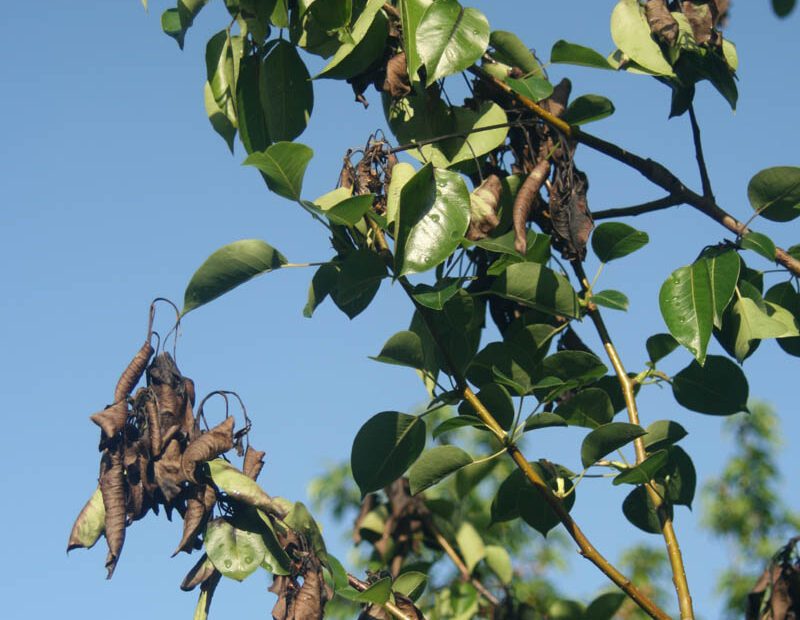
pixel 252 121
pixel 574 54
pixel 679 478
pixel 759 243
pixel 235 552
pixel 384 448
pixel 411 12
pixel 605 606
pixel 435 465
pixel 219 121
pixel 631 34
pixel 645 471
pixel 774 193
pixel 534 509
pixel 433 217
pixel 639 510
pixel 288 96
pixel 687 305
pixel 360 276
pixel 436 296
pixel 323 282
pixel 401 174
pixel 219 69
pixel 538 287
pixel 275 558
pixel 377 593
pixel 227 268
pixel 662 434
pixel 719 387
pixel 606 439
pixel 785 296
pixel 612 240
pixel 238 486
pixel 504 244
pixel 351 210
pixel 577 366
pixel 366 43
pixel 497 400
pixel 475 141
pixel 450 38
pixel 176 22
pixel 590 408
pixel 403 349
pixel 284 166
pixel 510 50
pixel 411 584
pixel 533 87
pixel 543 420
pixel 587 109
pixel 90 524
pixel 660 345
pixel 611 299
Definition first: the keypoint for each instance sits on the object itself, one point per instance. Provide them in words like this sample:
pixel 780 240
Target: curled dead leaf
pixel 253 463
pixel 701 16
pixel 198 508
pixel 206 447
pixel 112 488
pixel 397 83
pixel 198 574
pixel 662 24
pixel 556 103
pixel 131 375
pixel 483 205
pixel 111 419
pixel 526 196
pixel 167 471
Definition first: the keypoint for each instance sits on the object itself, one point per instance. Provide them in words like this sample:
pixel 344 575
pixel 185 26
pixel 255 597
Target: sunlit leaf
pixel 235 552
pixel 538 287
pixel 574 54
pixel 284 166
pixel 774 193
pixel 612 240
pixel 288 96
pixel 631 34
pixel 587 109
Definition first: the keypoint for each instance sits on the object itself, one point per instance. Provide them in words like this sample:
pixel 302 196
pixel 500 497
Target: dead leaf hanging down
pixel 153 423
pixel 701 16
pixel 527 195
pixel 406 605
pixel 569 211
pixel 397 83
pixel 111 419
pixel 187 422
pixel 253 463
pixel 556 103
pixel 483 204
pixel 198 574
pixel 198 508
pixel 662 24
pixel 168 473
pixel 112 487
pixel 206 447
pixel 130 377
pixel 776 595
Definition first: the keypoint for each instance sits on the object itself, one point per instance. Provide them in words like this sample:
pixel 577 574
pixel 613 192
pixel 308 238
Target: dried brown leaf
pixel 526 196
pixel 112 487
pixel 662 24
pixel 198 574
pixel 167 471
pixel 111 419
pixel 130 377
pixel 397 83
pixel 569 212
pixel 153 424
pixel 556 103
pixel 206 447
pixel 188 425
pixel 253 463
pixel 484 202
pixel 198 508
pixel 701 18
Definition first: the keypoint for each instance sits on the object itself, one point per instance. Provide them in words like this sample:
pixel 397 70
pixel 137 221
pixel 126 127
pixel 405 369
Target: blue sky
pixel 115 188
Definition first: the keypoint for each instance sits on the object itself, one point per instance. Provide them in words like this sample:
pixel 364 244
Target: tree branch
pixel 654 205
pixel 701 160
pixel 393 609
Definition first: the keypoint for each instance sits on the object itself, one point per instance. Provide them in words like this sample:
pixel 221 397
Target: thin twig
pixel 708 194
pixel 665 520
pixel 647 207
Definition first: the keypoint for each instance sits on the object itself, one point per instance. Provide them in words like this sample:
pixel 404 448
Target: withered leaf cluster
pixel 776 595
pixel 371 174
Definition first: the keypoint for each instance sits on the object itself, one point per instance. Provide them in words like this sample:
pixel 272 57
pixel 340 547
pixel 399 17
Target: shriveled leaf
pixel 227 268
pixel 450 38
pixel 719 387
pixel 574 54
pixel 612 240
pixel 384 448
pixel 284 166
pixel 607 438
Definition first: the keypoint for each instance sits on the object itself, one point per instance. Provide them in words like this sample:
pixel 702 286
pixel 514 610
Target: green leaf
pixel 90 523
pixel 639 510
pixel 377 593
pixel 227 268
pixel 611 299
pixel 332 14
pixel 774 193
pixel 660 345
pixel 679 478
pixel 497 400
pixel 288 96
pixel 323 282
pixel 219 69
pixel 587 109
pixel 384 448
pixel 612 240
pixel 645 471
pixel 235 552
pixel 499 562
pixel 759 243
pixel 534 509
pixel 238 486
pixel 411 12
pixel 577 366
pixel 403 349
pixel 605 606
pixel 607 438
pixel 752 321
pixel 724 266
pixel 252 122
pixel 351 210
pixel 452 424
pixel 219 121
pixel 574 54
pixel 433 217
pixel 435 465
pixel 687 305
pixel 717 388
pixel 450 38
pixel 782 8
pixel 590 408
pixel 504 244
pixel 543 420
pixel 299 519
pixel 631 34
pixel 662 434
pixel 436 296
pixel 411 584
pixel 510 50
pixel 538 287
pixel 366 44
pixel 471 545
pixel 535 88
pixel 275 557
pixel 785 296
pixel 401 174
pixel 176 22
pixel 360 275
pixel 284 166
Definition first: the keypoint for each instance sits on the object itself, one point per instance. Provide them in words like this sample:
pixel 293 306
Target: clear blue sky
pixel 114 189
